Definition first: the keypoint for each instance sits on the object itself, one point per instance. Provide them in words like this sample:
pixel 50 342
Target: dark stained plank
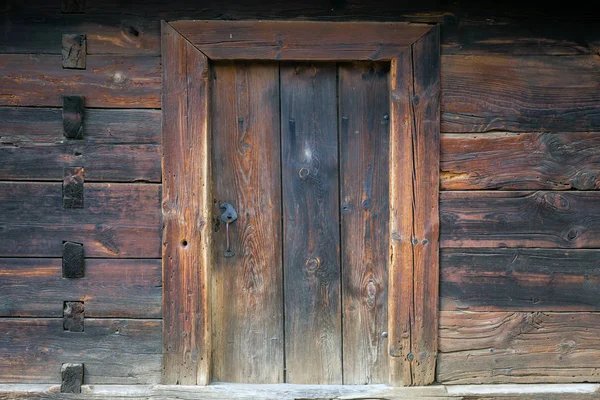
pixel 520 219
pixel 187 215
pixel 117 351
pixel 506 35
pixel 311 246
pixel 22 126
pixel 300 40
pixel 113 32
pixel 518 347
pixel 521 161
pixel 109 239
pixel 103 162
pixel 34 287
pixel 105 204
pixel 364 139
pixel 520 280
pixel 544 93
pixel 246 289
pixel 108 81
pixel 414 217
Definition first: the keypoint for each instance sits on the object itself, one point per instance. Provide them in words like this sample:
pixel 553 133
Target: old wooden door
pixel 328 273
pixel 301 151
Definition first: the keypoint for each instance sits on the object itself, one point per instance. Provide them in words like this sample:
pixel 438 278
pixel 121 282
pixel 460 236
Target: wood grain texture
pixel 523 94
pixel 34 287
pixel 520 280
pixel 23 126
pixel 186 211
pixel 364 167
pixel 518 347
pixel 521 161
pixel 299 40
pixel 107 82
pixel 117 351
pixel 104 162
pixel 246 289
pixel 414 216
pixel 520 219
pixel 108 239
pixel 311 245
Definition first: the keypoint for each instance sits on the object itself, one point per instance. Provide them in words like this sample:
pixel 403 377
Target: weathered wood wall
pixel 520 170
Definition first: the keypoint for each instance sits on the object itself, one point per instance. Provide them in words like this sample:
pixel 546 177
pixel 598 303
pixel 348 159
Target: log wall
pixel 520 173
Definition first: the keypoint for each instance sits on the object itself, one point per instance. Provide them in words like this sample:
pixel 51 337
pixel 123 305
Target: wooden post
pixel 186 212
pixel 414 215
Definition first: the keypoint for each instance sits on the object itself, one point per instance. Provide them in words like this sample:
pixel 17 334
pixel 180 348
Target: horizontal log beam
pixel 518 347
pixel 124 351
pixel 521 161
pixel 107 82
pixel 34 287
pixel 520 279
pixel 118 220
pixel 520 219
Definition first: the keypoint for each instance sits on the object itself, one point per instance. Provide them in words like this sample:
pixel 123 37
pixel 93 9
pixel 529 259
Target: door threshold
pixel 223 391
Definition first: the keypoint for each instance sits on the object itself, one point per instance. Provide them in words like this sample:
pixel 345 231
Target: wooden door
pixel 330 161
pixel 304 298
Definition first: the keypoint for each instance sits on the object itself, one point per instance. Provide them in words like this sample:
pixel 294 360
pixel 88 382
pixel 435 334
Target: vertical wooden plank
pixel 246 289
pixel 426 108
pixel 400 270
pixel 414 219
pixel 186 212
pixel 364 156
pixel 311 224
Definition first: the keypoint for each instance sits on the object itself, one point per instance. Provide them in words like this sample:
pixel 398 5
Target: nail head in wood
pixel 74 49
pixel 72 378
pixel 73 107
pixel 72 6
pixel 73 316
pixel 73 187
pixel 72 260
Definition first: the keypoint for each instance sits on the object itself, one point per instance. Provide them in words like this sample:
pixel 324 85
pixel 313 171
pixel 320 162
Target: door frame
pixel 414 53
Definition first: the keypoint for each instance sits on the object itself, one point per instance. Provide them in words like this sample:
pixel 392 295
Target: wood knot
pixel 312 264
pixel 119 78
pixel 556 200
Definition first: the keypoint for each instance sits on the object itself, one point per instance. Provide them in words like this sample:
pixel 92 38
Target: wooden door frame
pixel 414 53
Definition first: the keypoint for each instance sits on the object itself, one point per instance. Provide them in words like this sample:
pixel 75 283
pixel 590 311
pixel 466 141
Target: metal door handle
pixel 228 215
